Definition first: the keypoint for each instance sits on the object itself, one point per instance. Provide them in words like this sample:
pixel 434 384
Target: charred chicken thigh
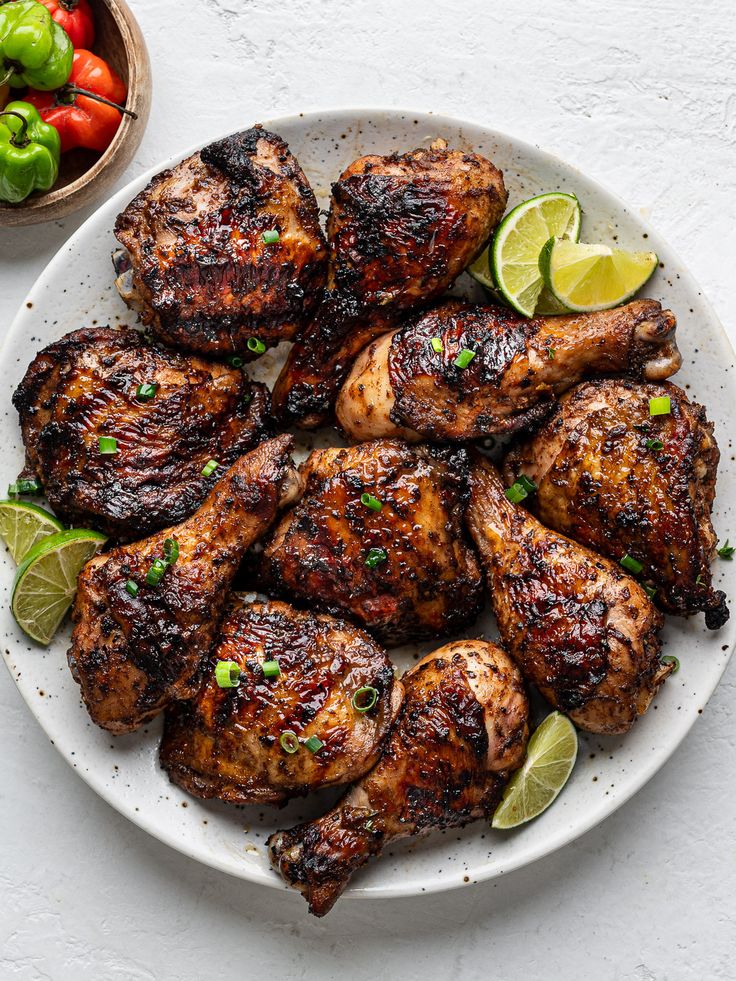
pixel 495 372
pixel 378 535
pixel 624 482
pixel 146 615
pixel 401 229
pixel 168 413
pixel 224 246
pixel 229 742
pixel 462 730
pixel 583 632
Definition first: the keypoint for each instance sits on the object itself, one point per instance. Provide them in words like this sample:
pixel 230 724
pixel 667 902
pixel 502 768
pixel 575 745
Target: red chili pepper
pixel 81 109
pixel 75 16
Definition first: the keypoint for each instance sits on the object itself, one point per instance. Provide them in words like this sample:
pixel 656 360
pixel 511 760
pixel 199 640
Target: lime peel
pixel 23 525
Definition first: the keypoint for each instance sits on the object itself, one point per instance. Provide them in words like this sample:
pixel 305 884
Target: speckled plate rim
pixel 646 769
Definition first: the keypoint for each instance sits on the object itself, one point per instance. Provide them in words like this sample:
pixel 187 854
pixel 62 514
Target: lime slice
pixel 46 580
pixel 585 278
pixel 480 271
pixel 22 525
pixel 520 238
pixel 550 757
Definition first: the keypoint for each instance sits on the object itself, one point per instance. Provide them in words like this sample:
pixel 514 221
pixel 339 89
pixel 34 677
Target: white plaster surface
pixel 640 96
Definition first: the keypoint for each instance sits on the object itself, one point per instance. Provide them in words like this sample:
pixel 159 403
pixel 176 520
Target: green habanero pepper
pixel 34 50
pixel 29 152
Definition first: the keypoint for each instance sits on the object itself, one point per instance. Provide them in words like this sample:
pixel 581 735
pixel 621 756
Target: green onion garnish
pixel 726 551
pixel 699 579
pixel 364 698
pixel 437 345
pixel 235 361
pixel 289 741
pixel 171 550
pixel 156 573
pixel 671 659
pixel 132 588
pixel 464 358
pixel 209 468
pixel 258 347
pixel 371 502
pixel 660 406
pixel 227 674
pixel 649 590
pixel 24 485
pixel 271 669
pixel 551 353
pixel 631 564
pixel 270 237
pixel 654 444
pixel 527 483
pixel 314 744
pixel 145 392
pixel 516 493
pixel 375 557
pixel 108 444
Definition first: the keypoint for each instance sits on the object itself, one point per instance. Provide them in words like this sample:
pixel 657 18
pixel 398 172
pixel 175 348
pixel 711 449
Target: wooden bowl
pixel 85 175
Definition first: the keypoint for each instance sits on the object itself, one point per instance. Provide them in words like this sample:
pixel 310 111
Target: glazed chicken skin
pixel 226 743
pixel 580 629
pixel 404 571
pixel 197 266
pixel 138 644
pixel 401 229
pixel 624 482
pixel 401 386
pixel 88 385
pixel 462 730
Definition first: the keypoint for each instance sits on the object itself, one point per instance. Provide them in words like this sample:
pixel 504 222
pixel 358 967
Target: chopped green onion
pixel 289 741
pixel 132 588
pixel 671 659
pixel 145 392
pixel 654 444
pixel 156 572
pixel 209 468
pixel 649 590
pixel 171 550
pixel 108 444
pixel 464 358
pixel 699 579
pixel 726 551
pixel 270 237
pixel 631 564
pixel 437 345
pixel 364 698
pixel 371 502
pixel 375 557
pixel 235 361
pixel 516 493
pixel 24 485
pixel 247 398
pixel 227 674
pixel 551 353
pixel 660 406
pixel 314 744
pixel 271 669
pixel 527 483
pixel 258 347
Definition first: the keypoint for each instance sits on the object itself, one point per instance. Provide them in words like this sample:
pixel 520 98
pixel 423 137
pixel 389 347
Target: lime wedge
pixel 585 278
pixel 46 580
pixel 520 238
pixel 22 525
pixel 550 757
pixel 480 271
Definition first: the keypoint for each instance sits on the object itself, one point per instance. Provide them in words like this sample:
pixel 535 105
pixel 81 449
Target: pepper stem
pixel 69 5
pixel 19 139
pixel 67 90
pixel 4 79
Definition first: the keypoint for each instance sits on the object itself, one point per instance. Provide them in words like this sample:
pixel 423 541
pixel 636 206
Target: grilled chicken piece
pixel 197 267
pixel 622 481
pixel 401 229
pixel 134 654
pixel 400 385
pixel 462 730
pixel 85 386
pixel 226 743
pixel 583 632
pixel 405 571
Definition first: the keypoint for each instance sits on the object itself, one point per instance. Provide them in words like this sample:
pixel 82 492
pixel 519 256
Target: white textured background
pixel 639 95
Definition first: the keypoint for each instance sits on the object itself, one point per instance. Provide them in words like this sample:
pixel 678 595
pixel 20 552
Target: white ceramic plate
pixel 77 289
